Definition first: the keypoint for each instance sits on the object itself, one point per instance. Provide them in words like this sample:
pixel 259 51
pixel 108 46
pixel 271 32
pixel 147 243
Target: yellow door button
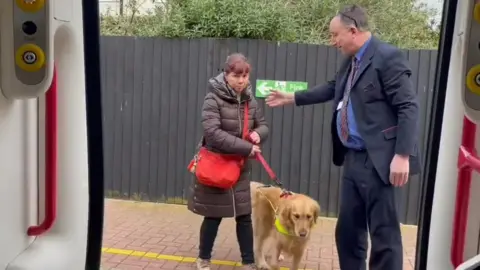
pixel 30 5
pixel 473 79
pixel 476 12
pixel 30 58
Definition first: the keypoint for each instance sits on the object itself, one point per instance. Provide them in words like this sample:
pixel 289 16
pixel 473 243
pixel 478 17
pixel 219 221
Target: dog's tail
pixel 253 188
pixel 254 192
pixel 255 185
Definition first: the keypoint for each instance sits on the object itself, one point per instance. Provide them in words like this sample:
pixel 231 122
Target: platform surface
pixel 141 235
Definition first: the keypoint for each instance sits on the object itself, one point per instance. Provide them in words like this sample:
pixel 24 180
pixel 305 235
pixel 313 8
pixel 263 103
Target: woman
pixel 222 120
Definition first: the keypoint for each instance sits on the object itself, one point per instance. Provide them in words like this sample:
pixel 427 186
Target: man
pixel 374 133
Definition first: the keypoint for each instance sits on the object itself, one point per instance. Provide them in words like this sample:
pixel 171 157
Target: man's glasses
pixel 349 17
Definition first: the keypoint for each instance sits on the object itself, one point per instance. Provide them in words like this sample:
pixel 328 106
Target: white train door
pixel 51 176
pixel 449 226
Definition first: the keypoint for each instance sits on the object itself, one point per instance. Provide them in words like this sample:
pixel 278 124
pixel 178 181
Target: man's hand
pixel 399 170
pixel 255 150
pixel 254 137
pixel 277 98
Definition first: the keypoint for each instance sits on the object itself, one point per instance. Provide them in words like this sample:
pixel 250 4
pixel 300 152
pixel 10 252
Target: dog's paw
pixel 263 266
pixel 281 258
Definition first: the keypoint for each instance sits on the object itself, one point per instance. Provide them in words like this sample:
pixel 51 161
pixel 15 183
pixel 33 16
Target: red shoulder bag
pixel 219 170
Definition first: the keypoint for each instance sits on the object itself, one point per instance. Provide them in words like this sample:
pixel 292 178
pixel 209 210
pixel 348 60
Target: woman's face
pixel 238 81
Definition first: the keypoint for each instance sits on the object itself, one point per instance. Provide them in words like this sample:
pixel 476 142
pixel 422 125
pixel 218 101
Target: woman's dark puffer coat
pixel 222 120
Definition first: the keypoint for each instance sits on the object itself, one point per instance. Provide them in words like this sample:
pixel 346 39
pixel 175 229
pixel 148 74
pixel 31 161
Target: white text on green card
pixel 264 87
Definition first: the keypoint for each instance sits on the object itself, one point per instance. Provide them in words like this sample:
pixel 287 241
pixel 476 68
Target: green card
pixel 265 86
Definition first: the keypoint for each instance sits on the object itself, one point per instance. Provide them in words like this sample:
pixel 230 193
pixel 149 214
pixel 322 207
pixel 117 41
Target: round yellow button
pixel 30 5
pixel 473 79
pixel 30 57
pixel 476 13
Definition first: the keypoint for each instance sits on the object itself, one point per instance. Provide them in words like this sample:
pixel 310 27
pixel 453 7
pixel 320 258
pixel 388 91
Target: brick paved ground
pixel 148 229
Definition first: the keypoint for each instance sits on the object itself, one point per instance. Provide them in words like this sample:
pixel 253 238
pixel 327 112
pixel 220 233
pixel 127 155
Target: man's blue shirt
pixel 354 141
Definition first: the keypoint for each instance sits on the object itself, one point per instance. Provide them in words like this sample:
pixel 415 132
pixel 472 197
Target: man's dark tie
pixel 346 95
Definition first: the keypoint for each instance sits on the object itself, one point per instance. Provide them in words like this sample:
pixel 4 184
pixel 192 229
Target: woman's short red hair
pixel 237 63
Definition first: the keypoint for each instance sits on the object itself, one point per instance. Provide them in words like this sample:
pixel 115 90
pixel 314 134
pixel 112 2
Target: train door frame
pixel 91 39
pixel 434 132
pixel 91 35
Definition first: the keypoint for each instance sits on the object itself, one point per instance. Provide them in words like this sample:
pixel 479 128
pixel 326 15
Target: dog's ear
pixel 286 213
pixel 315 211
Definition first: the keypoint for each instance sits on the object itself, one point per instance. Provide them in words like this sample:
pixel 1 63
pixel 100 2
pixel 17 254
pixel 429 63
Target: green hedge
pixel 399 22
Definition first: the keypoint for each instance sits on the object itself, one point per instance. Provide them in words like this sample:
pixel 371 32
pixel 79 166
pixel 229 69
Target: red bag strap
pixel 245 121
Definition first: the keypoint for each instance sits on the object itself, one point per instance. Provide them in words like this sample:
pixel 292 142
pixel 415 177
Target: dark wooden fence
pixel 153 89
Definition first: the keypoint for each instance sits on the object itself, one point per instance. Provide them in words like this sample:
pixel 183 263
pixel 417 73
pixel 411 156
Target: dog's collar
pixel 280 228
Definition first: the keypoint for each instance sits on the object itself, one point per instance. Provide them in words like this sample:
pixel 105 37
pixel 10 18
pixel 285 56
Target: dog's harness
pixel 278 225
pixel 280 228
pixel 285 193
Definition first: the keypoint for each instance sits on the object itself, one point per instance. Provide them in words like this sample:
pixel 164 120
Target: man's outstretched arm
pixel 318 94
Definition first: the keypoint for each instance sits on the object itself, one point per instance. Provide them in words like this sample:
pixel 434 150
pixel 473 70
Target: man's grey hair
pixel 354 16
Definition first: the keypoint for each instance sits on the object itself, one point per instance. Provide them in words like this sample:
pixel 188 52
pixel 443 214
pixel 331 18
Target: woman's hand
pixel 255 150
pixel 254 137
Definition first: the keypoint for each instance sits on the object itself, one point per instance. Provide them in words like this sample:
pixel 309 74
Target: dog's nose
pixel 303 234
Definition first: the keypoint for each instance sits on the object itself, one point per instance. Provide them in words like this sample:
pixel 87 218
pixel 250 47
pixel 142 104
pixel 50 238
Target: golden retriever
pixel 296 215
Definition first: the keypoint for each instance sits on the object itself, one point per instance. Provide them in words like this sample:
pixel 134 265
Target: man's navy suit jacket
pixel 385 105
